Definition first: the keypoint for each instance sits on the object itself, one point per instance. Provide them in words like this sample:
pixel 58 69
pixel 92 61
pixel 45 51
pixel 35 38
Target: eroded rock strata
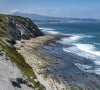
pixel 15 73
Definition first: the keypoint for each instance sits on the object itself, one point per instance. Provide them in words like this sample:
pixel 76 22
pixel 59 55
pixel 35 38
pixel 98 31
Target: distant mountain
pixel 37 17
pixel 43 18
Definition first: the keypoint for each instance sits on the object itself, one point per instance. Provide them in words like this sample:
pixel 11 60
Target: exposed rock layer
pixel 28 48
pixel 18 28
pixel 13 71
pixel 11 77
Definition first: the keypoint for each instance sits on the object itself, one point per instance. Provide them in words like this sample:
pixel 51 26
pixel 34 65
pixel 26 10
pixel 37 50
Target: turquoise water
pixel 84 40
pixel 89 32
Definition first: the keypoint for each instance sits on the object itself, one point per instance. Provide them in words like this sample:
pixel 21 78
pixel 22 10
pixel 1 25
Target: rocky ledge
pixel 17 28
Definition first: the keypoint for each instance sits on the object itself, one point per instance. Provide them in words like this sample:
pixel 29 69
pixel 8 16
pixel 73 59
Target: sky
pixel 58 8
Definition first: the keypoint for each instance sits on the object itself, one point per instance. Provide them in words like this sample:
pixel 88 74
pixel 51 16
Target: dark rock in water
pixel 18 28
pixel 63 68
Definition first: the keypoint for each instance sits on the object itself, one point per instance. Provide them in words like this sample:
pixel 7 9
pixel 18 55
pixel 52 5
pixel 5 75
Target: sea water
pixel 84 40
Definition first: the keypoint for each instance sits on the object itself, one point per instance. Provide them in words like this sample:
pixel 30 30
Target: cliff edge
pixel 16 74
pixel 17 28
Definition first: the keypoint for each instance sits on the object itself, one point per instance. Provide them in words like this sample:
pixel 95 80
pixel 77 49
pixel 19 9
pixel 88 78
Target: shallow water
pixel 69 68
pixel 85 40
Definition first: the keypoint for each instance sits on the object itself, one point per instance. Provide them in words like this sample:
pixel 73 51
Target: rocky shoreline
pixel 54 67
pixel 36 58
pixel 39 62
pixel 64 68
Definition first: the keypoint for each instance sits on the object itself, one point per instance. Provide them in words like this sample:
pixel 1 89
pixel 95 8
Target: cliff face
pixel 15 73
pixel 17 27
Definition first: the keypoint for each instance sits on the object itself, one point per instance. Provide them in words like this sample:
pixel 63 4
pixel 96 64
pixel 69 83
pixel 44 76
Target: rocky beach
pixel 58 69
pixel 33 60
pixel 39 62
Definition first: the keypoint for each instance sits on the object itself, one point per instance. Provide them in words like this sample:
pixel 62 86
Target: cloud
pixel 15 10
pixel 48 12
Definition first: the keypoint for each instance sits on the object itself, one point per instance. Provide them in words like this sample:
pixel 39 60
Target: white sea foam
pixel 97 62
pixel 69 40
pixel 83 67
pixel 88 48
pixel 88 68
pixel 74 38
pixel 87 51
pixel 52 32
pixel 84 51
pixel 49 31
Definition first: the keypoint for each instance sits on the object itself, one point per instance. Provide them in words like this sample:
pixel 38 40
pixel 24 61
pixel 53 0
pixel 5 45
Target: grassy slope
pixel 16 57
pixel 3 26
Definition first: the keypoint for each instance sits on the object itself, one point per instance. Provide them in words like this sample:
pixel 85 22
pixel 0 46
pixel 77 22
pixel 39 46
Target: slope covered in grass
pixel 17 28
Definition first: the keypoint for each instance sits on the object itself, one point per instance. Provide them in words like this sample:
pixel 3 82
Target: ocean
pixel 84 41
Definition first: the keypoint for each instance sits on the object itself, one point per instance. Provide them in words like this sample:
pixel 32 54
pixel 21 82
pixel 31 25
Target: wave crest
pixel 49 31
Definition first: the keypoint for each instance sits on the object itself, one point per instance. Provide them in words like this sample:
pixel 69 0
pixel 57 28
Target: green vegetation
pixel 18 59
pixel 6 28
pixel 12 53
pixel 3 26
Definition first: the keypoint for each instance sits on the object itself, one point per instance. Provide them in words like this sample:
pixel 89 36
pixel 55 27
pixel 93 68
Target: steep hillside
pixel 11 77
pixel 16 27
pixel 19 75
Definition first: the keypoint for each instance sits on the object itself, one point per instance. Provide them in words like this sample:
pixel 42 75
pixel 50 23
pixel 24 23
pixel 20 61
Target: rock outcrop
pixel 15 73
pixel 18 28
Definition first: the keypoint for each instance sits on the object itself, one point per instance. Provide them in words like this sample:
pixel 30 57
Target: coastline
pixel 45 61
pixel 55 67
pixel 65 68
pixel 28 48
